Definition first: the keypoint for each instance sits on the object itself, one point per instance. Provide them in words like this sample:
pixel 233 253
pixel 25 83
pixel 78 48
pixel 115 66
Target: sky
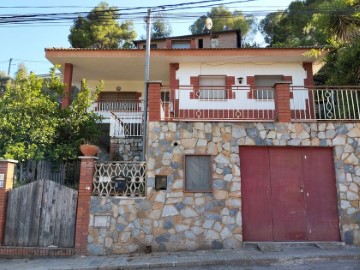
pixel 25 43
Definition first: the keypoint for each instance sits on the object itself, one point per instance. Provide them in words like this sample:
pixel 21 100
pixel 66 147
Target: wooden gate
pixel 289 194
pixel 41 214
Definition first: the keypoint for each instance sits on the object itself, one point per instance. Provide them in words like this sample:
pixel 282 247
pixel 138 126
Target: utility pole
pixel 147 76
pixel 9 67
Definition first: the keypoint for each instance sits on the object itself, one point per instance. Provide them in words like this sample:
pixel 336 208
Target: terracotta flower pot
pixel 89 149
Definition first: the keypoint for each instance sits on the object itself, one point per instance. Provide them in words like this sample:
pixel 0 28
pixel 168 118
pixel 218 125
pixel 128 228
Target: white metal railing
pixel 118 106
pixel 126 179
pixel 216 103
pixel 125 124
pixel 325 103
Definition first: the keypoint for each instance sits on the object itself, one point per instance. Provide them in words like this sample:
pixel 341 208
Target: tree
pixel 33 126
pixel 341 23
pixel 223 19
pixel 28 118
pixel 289 27
pixel 160 27
pixel 3 81
pixel 100 29
pixel 332 23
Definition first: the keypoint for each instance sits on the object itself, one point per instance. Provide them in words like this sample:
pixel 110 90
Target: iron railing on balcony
pixel 218 103
pixel 325 103
pixel 125 179
pixel 118 106
pixel 126 124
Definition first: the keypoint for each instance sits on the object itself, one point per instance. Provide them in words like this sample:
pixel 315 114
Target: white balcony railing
pixel 118 106
pixel 123 124
pixel 325 103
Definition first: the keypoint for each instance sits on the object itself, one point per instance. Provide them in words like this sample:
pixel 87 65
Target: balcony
pixel 263 104
pixel 235 104
pixel 124 116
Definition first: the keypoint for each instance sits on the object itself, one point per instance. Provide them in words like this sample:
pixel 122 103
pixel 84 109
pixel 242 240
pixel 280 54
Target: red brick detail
pixel 193 44
pixel 168 43
pixel 7 168
pixel 68 73
pixel 138 95
pixel 308 83
pixel 8 251
pixel 194 81
pixel 87 170
pixel 250 80
pixel 230 81
pixel 282 102
pixel 154 99
pixel 174 83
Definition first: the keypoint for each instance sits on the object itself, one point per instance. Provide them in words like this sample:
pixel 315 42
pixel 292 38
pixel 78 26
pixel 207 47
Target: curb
pixel 125 265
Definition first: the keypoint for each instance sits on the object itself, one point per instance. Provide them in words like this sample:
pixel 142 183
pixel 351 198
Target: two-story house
pixel 240 146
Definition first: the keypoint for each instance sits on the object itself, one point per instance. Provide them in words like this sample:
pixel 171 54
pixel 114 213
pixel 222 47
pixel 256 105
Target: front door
pixel 288 205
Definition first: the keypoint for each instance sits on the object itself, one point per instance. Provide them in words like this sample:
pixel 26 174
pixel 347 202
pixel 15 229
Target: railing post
pixel 154 100
pixel 7 171
pixel 282 101
pixel 87 170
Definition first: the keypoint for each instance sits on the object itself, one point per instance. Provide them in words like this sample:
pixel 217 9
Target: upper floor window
pixel 265 85
pixel 152 46
pixel 180 44
pixel 212 87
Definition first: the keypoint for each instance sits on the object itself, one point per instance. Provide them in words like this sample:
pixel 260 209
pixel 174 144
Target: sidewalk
pixel 250 255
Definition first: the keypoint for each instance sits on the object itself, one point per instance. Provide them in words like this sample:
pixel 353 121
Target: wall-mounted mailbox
pixel 120 183
pixel 160 182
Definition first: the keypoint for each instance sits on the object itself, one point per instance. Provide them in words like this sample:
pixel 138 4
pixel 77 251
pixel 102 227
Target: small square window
pixel 197 173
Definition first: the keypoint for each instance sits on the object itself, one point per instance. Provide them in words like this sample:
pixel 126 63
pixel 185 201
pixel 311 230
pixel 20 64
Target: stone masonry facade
pixel 177 220
pixel 126 149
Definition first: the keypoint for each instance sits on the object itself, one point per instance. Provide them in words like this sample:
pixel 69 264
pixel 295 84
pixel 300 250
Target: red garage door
pixel 288 194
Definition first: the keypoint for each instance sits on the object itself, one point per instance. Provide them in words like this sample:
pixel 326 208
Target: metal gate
pixel 289 194
pixel 41 214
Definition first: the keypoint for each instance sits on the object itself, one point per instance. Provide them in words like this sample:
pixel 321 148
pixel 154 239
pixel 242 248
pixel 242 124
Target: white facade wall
pixel 186 70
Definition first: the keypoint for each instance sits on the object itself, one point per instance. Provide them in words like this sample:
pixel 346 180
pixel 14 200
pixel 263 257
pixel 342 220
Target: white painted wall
pixel 187 70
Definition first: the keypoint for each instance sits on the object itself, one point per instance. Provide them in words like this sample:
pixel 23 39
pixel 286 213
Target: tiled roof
pixel 203 49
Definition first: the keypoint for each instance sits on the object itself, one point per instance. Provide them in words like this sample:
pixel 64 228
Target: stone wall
pixel 125 149
pixel 176 220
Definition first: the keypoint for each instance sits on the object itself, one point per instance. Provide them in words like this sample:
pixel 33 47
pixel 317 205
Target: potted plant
pixel 90 133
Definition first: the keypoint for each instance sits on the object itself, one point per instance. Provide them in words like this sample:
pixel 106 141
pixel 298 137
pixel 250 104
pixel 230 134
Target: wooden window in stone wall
pixel 198 173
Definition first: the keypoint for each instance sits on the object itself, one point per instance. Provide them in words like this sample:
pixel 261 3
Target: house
pixel 224 39
pixel 240 146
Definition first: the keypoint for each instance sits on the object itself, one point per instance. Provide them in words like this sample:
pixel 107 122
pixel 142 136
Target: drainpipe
pixel 147 69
